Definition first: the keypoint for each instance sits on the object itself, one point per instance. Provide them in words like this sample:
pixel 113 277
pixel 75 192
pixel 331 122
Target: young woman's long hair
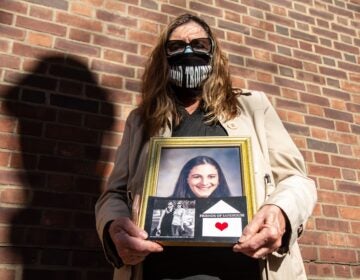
pixel 158 101
pixel 182 188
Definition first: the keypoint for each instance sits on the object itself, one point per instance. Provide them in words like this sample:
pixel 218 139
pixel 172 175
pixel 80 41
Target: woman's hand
pixel 263 234
pixel 130 241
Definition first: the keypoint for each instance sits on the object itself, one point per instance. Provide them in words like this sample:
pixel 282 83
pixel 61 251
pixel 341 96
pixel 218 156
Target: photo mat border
pixel 153 166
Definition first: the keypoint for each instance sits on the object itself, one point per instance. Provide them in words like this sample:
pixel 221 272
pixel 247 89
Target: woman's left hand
pixel 263 234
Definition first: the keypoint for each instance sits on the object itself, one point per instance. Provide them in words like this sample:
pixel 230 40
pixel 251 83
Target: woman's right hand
pixel 130 241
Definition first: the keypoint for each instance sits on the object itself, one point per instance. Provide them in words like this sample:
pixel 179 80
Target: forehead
pixel 189 30
pixel 206 167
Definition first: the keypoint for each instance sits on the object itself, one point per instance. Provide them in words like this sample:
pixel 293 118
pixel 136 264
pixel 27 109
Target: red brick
pixel 355 227
pixel 346 48
pixel 263 25
pixel 309 253
pixel 338 115
pixel 341 12
pixel 116 19
pixel 9 142
pixel 30 51
pixel 340 28
pixel 11 32
pixel 79 22
pixel 336 93
pixel 80 35
pixel 352 87
pixel 259 44
pixel 332 225
pixel 243 72
pixel 327 51
pixel 312 78
pixel 133 85
pixel 325 32
pixel 232 6
pixel 322 270
pixel 6 18
pixel 14 6
pixel 206 9
pixel 330 210
pixel 352 200
pixel 289 83
pixel 344 138
pixel 314 238
pixel 4 158
pixel 301 17
pixel 332 72
pixel 41 13
pixel 239 28
pixel 14 196
pixel 330 197
pixel 338 255
pixel 349 213
pixel 117 44
pixel 111 81
pixel 337 239
pixel 42 26
pixel 287 61
pixel 342 271
pixel 77 48
pixel 353 241
pixel 326 184
pixel 281 40
pixel 7 273
pixel 40 39
pixel 111 68
pixel 146 14
pixel 142 37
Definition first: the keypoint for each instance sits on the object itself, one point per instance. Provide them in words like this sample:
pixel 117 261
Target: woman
pixel 165 222
pixel 187 92
pixel 177 225
pixel 201 177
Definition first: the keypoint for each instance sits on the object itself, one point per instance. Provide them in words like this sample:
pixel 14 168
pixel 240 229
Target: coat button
pixel 300 230
pixel 232 125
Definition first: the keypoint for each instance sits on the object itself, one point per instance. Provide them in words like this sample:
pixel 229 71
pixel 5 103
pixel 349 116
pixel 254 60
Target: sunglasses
pixel 198 45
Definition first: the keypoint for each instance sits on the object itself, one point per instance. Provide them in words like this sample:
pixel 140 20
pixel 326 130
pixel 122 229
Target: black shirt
pixel 181 262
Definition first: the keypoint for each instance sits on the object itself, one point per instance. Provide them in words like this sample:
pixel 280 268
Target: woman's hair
pixel 182 188
pixel 158 100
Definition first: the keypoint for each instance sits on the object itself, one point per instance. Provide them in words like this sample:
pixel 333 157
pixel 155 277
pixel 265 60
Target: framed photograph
pixel 198 190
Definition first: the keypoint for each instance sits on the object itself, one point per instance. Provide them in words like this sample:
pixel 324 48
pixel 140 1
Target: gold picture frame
pixel 168 161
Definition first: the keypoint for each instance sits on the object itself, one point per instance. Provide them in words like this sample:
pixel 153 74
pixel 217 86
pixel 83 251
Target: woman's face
pixel 188 31
pixel 203 180
pixel 170 206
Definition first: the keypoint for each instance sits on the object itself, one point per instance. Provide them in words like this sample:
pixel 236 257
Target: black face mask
pixel 188 72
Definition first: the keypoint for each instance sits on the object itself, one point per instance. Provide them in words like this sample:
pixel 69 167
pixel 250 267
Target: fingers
pixel 130 241
pixel 264 242
pixel 252 228
pixel 264 234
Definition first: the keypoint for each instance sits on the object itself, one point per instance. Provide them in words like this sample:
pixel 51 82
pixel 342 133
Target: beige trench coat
pixel 274 153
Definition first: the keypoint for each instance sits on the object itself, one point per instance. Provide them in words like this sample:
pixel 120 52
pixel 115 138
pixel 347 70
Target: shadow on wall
pixel 62 116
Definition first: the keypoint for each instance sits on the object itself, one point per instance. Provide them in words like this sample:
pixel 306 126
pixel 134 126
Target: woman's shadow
pixel 59 163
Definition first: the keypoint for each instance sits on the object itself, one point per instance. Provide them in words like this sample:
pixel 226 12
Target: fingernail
pixel 242 239
pixel 144 234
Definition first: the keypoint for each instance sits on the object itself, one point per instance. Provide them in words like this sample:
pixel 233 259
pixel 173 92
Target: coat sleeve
pixel 113 202
pixel 294 192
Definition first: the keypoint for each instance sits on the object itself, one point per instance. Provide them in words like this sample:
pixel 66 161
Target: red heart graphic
pixel 221 226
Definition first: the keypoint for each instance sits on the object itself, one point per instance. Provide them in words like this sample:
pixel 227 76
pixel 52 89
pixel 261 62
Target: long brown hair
pixel 158 102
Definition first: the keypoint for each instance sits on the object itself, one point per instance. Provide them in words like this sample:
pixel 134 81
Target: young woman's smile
pixel 203 180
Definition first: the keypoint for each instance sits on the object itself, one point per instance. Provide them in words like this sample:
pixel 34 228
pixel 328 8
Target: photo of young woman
pixel 201 177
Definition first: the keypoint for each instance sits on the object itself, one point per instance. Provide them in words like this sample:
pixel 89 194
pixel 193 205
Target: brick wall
pixel 70 73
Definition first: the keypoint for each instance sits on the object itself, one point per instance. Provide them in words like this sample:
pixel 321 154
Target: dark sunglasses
pixel 198 45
